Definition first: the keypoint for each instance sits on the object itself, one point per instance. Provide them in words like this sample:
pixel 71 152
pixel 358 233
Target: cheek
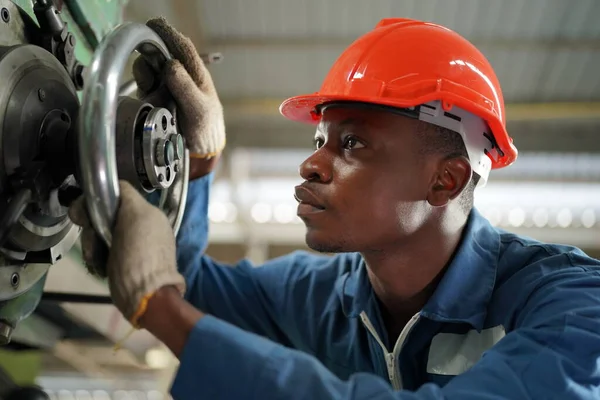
pixel 397 204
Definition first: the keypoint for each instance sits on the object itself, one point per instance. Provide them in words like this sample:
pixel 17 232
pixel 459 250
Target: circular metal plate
pixel 35 84
pixel 158 128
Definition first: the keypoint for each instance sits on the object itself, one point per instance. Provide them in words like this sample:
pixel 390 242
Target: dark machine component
pixel 27 393
pixel 37 104
pixel 10 391
pixel 57 39
pixel 54 148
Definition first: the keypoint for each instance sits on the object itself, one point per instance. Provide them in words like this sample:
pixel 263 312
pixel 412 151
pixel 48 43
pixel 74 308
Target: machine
pixel 68 129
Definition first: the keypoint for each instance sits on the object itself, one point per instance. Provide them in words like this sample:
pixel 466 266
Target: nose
pixel 317 167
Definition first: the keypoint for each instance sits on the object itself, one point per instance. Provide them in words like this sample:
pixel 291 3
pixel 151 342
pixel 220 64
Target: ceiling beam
pixel 249 42
pixel 265 107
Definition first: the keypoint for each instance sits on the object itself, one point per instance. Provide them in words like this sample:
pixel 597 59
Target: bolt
pixel 79 70
pixel 14 280
pixel 169 152
pixel 72 40
pixel 178 145
pixel 5 332
pixel 176 167
pixel 41 94
pixel 161 177
pixel 173 121
pixel 5 14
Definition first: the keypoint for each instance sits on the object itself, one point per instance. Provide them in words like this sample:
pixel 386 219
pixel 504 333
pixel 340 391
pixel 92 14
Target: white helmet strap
pixel 477 136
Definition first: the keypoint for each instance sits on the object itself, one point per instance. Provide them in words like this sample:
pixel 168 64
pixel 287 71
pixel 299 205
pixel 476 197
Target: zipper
pixel 390 358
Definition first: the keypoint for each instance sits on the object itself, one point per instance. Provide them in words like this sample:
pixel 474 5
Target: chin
pixel 323 242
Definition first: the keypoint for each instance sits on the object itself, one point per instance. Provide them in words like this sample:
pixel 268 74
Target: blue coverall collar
pixel 463 293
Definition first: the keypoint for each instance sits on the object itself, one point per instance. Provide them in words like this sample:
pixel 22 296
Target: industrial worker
pixel 424 299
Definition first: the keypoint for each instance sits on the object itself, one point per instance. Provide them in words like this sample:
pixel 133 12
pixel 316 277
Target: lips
pixel 308 202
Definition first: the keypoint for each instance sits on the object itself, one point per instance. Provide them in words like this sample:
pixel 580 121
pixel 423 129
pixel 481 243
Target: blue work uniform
pixel 511 318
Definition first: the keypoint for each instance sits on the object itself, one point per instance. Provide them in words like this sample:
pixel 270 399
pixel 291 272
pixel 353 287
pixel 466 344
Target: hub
pixel 149 149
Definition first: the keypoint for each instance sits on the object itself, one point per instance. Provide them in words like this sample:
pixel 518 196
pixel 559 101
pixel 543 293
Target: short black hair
pixel 438 140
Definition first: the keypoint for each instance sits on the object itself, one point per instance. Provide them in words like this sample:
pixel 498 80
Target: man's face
pixel 366 185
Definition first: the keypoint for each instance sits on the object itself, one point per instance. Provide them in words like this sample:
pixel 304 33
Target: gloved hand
pixel 199 111
pixel 141 259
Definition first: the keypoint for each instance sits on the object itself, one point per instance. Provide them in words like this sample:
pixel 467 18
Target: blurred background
pixel 546 54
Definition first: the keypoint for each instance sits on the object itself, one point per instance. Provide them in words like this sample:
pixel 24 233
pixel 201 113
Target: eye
pixel 351 142
pixel 318 142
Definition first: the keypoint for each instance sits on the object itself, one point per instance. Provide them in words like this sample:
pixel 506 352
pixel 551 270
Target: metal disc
pixel 35 84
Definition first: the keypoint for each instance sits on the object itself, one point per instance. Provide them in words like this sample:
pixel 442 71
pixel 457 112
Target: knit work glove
pixel 141 259
pixel 186 79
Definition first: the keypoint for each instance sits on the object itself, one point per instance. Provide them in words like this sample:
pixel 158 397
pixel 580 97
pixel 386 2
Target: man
pixel 425 300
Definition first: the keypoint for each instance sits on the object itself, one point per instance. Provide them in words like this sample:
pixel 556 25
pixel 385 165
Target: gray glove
pixel 199 111
pixel 141 259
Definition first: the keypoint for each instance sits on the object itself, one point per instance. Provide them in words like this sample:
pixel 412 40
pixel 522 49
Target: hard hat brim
pixel 303 108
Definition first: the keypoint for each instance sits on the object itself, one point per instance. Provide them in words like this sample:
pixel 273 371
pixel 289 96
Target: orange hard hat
pixel 406 64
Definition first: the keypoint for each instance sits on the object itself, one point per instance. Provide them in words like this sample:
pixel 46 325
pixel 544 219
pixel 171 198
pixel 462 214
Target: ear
pixel 451 178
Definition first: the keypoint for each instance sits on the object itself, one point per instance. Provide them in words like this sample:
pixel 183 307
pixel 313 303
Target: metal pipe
pixel 59 297
pixel 98 160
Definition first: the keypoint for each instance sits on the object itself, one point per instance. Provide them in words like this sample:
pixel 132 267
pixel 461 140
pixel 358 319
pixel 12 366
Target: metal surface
pixel 12 213
pixel 82 49
pixel 96 17
pixel 38 101
pixel 36 331
pixel 19 29
pixel 128 88
pixel 35 84
pixel 132 114
pixel 5 332
pixel 26 276
pixel 98 117
pixel 159 162
pixel 56 38
pixel 15 310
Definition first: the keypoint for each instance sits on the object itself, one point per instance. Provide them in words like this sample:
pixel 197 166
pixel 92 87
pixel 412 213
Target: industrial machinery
pixel 67 129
